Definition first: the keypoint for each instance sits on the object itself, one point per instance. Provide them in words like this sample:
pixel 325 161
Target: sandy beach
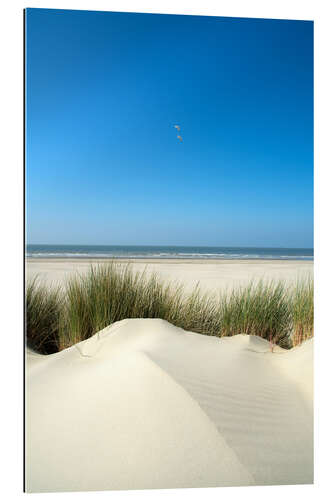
pixel 143 404
pixel 212 275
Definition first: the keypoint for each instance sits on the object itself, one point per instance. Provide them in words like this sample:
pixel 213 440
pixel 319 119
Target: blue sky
pixel 104 165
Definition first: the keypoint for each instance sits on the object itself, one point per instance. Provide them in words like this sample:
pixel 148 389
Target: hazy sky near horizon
pixel 103 163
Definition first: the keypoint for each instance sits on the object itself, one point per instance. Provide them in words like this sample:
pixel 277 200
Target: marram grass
pixel 302 311
pixel 43 310
pixel 261 309
pixel 57 319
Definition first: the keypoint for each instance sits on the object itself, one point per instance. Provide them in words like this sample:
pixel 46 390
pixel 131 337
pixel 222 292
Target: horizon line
pixel 169 245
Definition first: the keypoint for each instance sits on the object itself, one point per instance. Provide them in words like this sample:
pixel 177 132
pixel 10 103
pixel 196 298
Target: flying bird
pixel 178 130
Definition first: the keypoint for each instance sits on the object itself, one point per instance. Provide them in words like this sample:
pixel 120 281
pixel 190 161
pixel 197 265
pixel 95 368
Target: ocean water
pixel 166 252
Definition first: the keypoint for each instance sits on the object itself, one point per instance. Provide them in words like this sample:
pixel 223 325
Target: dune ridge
pixel 144 404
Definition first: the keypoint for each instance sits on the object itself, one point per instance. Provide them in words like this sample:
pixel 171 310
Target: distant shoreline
pixel 166 253
pixel 159 260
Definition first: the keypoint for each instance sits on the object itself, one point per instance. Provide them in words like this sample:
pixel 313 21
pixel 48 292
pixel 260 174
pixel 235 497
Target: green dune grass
pixel 261 309
pixel 43 311
pixel 302 311
pixel 57 319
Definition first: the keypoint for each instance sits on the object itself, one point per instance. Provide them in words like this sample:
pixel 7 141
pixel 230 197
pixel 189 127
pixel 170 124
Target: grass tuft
pixel 302 311
pixel 261 309
pixel 107 293
pixel 43 309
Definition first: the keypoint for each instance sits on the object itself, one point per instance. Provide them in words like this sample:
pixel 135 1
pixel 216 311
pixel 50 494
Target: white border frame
pixel 11 200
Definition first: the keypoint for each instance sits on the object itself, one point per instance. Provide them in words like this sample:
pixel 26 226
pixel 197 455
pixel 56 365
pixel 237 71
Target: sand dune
pixel 143 404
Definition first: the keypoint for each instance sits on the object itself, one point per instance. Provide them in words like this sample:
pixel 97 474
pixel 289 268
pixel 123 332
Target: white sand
pixel 144 404
pixel 212 275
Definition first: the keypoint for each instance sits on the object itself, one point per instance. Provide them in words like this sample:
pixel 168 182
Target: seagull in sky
pixel 178 130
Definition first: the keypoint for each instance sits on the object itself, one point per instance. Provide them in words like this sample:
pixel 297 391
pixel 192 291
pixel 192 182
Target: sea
pixel 166 252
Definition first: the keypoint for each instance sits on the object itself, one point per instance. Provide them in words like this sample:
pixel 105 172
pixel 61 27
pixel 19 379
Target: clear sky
pixel 104 165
